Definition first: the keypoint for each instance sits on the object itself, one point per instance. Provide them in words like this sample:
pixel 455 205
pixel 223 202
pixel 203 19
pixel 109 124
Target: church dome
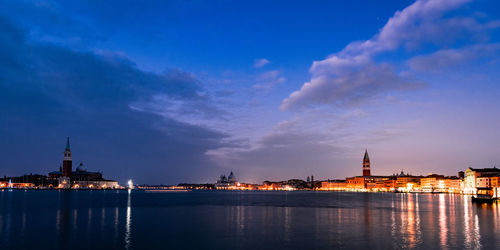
pixel 81 168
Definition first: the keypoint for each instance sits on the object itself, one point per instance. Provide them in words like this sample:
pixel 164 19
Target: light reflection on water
pixel 443 226
pixel 128 240
pixel 138 220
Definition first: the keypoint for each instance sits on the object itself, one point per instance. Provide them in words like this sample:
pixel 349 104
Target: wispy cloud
pixel 268 79
pixel 259 63
pixel 447 58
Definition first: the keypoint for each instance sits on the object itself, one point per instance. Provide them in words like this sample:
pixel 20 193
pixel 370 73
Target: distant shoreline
pixel 218 190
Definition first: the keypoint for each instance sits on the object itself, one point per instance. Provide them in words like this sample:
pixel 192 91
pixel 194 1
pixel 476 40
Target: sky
pixel 165 92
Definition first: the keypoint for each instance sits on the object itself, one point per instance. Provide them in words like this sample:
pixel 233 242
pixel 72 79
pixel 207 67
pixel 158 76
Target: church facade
pixel 81 178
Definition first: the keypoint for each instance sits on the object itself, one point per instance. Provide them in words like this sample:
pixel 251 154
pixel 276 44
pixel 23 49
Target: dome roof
pixel 81 168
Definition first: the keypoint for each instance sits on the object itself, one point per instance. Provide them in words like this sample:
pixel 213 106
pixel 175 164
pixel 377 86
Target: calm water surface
pixel 228 220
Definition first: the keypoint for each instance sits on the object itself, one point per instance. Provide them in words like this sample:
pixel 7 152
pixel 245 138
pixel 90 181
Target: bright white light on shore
pixel 130 184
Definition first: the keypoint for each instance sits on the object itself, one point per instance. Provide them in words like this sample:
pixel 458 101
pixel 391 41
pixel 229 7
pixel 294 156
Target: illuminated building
pixel 495 186
pixel 22 185
pixel 333 185
pixel 434 183
pixel 356 183
pixel 35 180
pixel 276 186
pixel 408 183
pixel 365 182
pixel 471 178
pixel 292 184
pixel 231 183
pixel 385 185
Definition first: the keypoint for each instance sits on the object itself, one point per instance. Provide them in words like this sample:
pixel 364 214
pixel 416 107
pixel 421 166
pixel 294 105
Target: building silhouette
pixel 81 178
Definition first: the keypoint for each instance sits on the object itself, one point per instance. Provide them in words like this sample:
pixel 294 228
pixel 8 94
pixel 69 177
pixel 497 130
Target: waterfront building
pixel 356 183
pixel 452 184
pixel 19 182
pixel 431 183
pixel 81 178
pixel 267 185
pixel 333 185
pixel 407 183
pixel 231 183
pixel 277 186
pixel 30 180
pixel 385 185
pixel 495 186
pixel 231 178
pixel 471 178
pixel 224 182
pixel 366 181
pixel 434 183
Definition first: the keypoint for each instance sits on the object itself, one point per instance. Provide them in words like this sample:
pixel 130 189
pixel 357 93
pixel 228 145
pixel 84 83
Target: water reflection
pixel 62 221
pixel 477 235
pixel 23 223
pixel 367 214
pixel 75 219
pixel 128 222
pixel 103 218
pixel 443 228
pixel 89 220
pixel 343 220
pixel 471 226
pixel 117 216
pixel 413 227
pixel 287 224
pixel 393 224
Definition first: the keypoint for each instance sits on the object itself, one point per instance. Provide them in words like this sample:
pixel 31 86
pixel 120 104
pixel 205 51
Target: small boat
pixel 483 199
pixel 483 195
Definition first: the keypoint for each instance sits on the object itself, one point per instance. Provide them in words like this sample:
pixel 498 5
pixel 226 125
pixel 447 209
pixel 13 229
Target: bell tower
pixel 67 161
pixel 366 164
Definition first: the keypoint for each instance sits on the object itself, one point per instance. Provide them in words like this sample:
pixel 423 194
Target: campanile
pixel 67 161
pixel 366 164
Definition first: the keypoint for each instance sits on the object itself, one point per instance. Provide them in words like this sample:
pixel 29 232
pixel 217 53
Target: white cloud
pixel 259 63
pixel 352 74
pixel 349 86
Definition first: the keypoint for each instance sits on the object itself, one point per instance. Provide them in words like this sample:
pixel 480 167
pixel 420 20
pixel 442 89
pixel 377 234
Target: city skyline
pixel 66 178
pixel 169 92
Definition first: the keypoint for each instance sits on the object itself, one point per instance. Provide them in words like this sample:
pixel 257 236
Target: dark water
pixel 228 220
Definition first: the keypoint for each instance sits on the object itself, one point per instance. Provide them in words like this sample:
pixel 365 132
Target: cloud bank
pixel 355 73
pixel 48 92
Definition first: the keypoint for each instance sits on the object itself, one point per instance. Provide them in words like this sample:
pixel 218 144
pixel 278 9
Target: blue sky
pixel 182 91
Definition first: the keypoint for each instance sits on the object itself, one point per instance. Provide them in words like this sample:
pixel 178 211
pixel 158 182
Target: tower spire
pixel 67 143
